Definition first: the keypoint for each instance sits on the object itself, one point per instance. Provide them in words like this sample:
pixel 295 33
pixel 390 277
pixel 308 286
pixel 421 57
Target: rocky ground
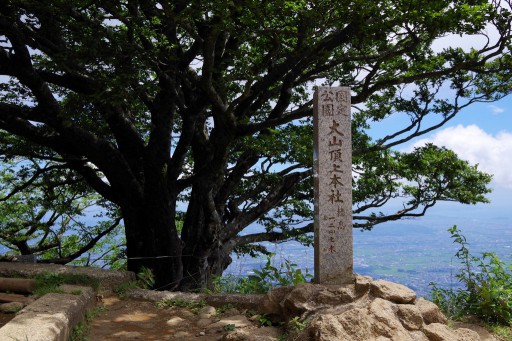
pixel 132 319
pixel 368 310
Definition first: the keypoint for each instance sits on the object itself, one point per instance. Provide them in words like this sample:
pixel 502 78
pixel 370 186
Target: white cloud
pixel 491 153
pixel 495 109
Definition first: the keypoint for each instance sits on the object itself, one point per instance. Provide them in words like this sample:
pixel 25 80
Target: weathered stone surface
pixel 181 334
pixel 238 321
pixel 207 312
pixel 362 284
pixel 464 334
pixel 410 316
pixel 125 335
pixel 332 184
pixel 271 302
pixel 357 324
pixel 108 278
pixel 368 317
pixel 385 321
pixel 201 323
pixel 254 334
pixel 417 335
pixel 430 312
pixel 299 300
pixel 11 307
pixel 324 328
pixel 481 331
pixel 175 321
pixel 346 293
pixel 50 318
pixel 439 332
pixel 393 292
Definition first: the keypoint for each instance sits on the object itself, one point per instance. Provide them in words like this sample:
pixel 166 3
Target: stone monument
pixel 333 186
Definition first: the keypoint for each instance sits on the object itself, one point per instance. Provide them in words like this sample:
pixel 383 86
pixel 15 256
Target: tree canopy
pixel 200 111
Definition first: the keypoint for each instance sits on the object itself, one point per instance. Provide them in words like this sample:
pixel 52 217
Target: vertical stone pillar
pixel 333 186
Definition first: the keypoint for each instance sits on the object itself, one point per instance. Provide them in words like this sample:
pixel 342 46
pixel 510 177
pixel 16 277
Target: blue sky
pixel 481 134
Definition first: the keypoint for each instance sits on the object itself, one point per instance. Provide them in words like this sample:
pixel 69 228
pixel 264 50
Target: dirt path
pixel 129 319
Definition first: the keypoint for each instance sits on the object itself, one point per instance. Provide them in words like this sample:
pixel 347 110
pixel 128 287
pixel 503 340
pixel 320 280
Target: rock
pixel 175 321
pixel 187 314
pixel 410 316
pixel 357 323
pixel 11 307
pixel 439 332
pixel 430 312
pixel 393 292
pixel 271 302
pixel 207 312
pixel 299 300
pixel 201 323
pixel 482 332
pixel 254 334
pixel 231 312
pixel 417 335
pixel 362 285
pixel 324 328
pixel 386 322
pixel 347 293
pixel 464 334
pixel 327 297
pixel 124 335
pixel 181 334
pixel 239 321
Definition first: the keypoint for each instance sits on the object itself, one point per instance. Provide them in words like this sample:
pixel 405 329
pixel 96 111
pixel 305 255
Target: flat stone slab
pixel 108 278
pixel 50 318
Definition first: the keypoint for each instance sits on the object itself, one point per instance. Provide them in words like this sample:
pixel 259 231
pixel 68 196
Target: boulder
pixel 410 316
pixel 357 323
pixel 393 292
pixel 362 284
pixel 324 328
pixel 300 300
pixel 239 321
pixel 207 312
pixel 253 334
pixel 175 321
pixel 430 312
pixel 11 307
pixel 271 302
pixel 365 311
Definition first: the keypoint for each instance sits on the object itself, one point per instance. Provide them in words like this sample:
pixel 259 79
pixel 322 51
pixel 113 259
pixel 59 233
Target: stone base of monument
pixel 366 310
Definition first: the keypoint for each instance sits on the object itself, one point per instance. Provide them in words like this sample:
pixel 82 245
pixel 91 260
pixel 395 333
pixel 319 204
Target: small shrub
pixel 194 306
pixel 82 328
pixel 487 286
pixel 146 278
pixel 229 327
pixel 265 320
pixel 295 324
pixel 263 280
pixel 124 287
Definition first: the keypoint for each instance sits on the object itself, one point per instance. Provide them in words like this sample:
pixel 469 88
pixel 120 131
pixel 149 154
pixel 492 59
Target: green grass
pixel 49 282
pixel 79 332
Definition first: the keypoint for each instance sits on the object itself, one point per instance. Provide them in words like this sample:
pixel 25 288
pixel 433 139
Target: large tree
pixel 209 103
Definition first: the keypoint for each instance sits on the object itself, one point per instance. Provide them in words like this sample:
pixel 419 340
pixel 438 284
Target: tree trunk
pixel 198 239
pixel 204 254
pixel 153 242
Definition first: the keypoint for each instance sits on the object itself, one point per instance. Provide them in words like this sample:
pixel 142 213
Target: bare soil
pixel 4 318
pixel 131 319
